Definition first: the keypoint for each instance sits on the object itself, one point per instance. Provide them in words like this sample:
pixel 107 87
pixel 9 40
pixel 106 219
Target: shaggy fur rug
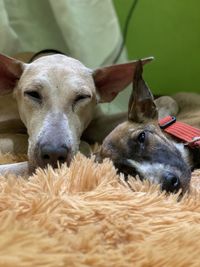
pixel 86 215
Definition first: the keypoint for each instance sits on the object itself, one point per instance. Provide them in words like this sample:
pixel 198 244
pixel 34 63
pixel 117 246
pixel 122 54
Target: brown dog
pixel 138 145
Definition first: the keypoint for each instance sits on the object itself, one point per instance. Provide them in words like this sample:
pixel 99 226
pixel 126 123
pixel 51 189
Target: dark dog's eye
pixel 33 95
pixel 141 137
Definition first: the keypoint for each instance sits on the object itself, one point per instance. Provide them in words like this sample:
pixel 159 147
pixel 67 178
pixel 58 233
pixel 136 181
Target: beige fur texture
pixel 86 216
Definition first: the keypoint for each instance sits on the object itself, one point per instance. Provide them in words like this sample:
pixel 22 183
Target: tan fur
pixel 185 106
pixel 189 108
pixel 82 216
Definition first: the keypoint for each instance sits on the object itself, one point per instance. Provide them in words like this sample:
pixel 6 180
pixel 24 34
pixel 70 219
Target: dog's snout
pixel 171 182
pixel 53 155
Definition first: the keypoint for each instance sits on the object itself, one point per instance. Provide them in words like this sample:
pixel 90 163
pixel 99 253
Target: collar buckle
pixel 167 121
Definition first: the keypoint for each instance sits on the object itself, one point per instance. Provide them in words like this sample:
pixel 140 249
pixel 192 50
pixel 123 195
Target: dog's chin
pixel 33 165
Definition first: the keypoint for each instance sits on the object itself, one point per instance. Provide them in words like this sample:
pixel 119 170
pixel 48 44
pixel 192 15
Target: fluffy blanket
pixel 86 215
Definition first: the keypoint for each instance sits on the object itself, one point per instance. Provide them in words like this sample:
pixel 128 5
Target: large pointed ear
pixel 10 72
pixel 110 80
pixel 141 103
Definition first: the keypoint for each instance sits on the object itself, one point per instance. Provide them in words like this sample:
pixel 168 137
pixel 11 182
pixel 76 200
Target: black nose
pixel 53 155
pixel 171 183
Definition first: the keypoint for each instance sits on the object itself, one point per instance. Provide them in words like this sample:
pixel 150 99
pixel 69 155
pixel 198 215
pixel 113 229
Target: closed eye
pixel 80 98
pixel 34 95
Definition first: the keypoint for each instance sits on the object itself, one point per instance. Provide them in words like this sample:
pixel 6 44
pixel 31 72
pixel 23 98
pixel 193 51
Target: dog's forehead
pixel 118 137
pixel 123 135
pixel 64 61
pixel 58 70
pixel 127 128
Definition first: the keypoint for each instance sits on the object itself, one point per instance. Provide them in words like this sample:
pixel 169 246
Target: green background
pixel 169 30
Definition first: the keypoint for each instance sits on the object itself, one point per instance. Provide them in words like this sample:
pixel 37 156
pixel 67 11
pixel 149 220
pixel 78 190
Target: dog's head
pixel 56 98
pixel 138 146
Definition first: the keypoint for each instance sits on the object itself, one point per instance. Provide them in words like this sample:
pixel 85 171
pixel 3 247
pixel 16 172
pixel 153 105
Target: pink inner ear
pixel 113 79
pixel 7 79
pixel 10 72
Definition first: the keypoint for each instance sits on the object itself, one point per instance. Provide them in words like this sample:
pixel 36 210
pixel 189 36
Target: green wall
pixel 169 30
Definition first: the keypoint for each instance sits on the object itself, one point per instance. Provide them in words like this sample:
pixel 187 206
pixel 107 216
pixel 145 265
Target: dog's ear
pixel 141 103
pixel 10 72
pixel 110 80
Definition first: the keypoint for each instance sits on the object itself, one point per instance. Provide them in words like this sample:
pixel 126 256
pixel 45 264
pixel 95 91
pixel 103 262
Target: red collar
pixel 182 131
